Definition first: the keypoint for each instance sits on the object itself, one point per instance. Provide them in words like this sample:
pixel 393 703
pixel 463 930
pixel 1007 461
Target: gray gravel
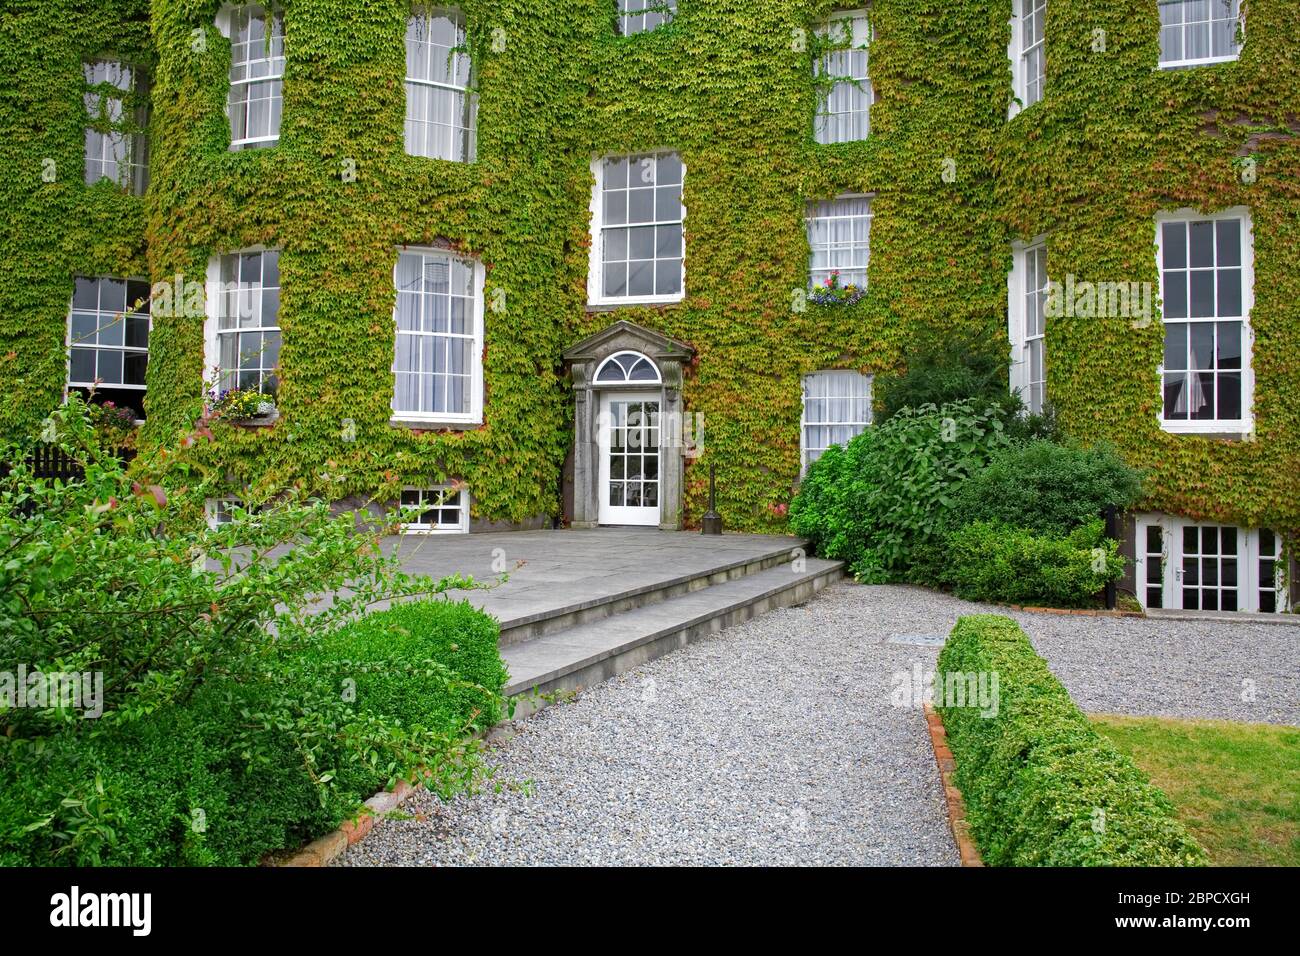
pixel 773 742
pixel 776 742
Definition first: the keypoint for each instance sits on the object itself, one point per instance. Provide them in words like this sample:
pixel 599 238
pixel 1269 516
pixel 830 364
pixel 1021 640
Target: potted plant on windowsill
pixel 830 292
pixel 246 407
pixel 114 425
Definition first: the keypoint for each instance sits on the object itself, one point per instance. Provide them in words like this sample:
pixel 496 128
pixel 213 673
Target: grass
pixel 1236 786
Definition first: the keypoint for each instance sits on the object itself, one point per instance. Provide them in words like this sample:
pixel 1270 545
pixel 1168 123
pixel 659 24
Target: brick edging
pixel 966 848
pixel 322 851
pixel 1077 611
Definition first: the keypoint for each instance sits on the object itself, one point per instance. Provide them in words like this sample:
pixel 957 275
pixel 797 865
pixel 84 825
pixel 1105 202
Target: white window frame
pixel 1018 292
pixel 1017 52
pixel 1248 559
pixel 642 16
pixel 68 383
pixel 214 508
pixel 1246 424
pixel 212 318
pixel 462 527
pixel 475 415
pixel 1207 60
pixel 225 24
pixel 816 276
pixel 804 449
pixel 822 66
pixel 624 361
pixel 455 13
pixel 133 165
pixel 595 271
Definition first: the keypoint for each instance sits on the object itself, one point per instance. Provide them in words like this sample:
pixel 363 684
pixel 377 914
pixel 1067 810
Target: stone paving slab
pixel 577 568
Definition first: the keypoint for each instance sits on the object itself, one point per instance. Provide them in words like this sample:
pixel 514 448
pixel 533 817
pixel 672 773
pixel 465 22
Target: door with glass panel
pixel 1185 565
pixel 628 438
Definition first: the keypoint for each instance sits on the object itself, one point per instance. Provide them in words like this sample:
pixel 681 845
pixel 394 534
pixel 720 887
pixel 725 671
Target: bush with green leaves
pixel 237 656
pixel 881 502
pixel 987 561
pixel 949 371
pixel 1042 788
pixel 1046 487
pixel 245 767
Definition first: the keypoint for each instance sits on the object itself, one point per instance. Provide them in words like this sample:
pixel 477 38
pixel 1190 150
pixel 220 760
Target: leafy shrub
pixel 240 675
pixel 248 767
pixel 398 654
pixel 1046 487
pixel 951 371
pixel 1042 788
pixel 880 503
pixel 995 562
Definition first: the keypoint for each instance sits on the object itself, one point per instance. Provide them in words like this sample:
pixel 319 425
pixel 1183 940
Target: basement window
pixel 442 509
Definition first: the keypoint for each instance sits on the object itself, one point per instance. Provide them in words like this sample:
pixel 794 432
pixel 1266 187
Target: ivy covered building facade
pixel 519 264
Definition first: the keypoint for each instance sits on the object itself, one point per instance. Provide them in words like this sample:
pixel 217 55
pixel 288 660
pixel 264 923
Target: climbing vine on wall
pixel 730 86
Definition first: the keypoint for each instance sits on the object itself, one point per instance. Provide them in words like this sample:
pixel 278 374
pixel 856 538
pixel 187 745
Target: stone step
pixel 585 654
pixel 621 591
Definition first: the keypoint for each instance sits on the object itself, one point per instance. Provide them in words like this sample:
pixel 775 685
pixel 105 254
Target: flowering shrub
pixel 830 292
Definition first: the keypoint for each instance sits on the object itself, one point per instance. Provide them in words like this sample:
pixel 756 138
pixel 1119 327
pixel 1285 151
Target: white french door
pixel 628 438
pixel 1202 566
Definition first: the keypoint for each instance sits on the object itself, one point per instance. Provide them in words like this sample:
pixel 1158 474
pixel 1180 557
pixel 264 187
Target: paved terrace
pixel 551 571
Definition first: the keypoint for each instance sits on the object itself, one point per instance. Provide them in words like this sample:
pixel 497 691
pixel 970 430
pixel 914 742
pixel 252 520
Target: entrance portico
pixel 627 425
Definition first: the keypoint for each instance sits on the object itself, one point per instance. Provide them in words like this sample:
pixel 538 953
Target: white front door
pixel 628 436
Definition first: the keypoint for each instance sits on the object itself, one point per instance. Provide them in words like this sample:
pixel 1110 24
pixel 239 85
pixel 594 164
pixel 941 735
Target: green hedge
pixel 1047 487
pixel 231 759
pixel 993 562
pixel 1037 778
pixel 392 651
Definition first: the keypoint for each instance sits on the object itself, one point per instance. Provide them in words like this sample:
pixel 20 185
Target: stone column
pixel 586 457
pixel 671 469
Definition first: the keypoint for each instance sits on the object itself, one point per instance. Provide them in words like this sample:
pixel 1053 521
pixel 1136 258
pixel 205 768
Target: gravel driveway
pixel 776 742
pixel 773 742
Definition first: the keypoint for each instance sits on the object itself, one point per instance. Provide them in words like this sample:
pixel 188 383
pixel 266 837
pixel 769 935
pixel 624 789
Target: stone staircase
pixel 574 645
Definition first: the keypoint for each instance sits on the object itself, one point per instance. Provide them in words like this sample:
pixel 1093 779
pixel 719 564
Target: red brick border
pixel 1077 611
pixel 966 848
pixel 322 851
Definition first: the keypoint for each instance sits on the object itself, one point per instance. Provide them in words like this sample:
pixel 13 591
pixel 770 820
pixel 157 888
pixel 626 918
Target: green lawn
pixel 1236 786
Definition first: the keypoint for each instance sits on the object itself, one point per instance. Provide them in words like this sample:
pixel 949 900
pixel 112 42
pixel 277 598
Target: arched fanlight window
pixel 627 367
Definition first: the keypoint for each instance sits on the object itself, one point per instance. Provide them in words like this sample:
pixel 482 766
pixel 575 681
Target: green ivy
pixel 730 86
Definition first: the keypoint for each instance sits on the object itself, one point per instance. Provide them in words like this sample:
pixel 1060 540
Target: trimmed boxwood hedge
pixel 985 561
pixel 424 668
pixel 1035 775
